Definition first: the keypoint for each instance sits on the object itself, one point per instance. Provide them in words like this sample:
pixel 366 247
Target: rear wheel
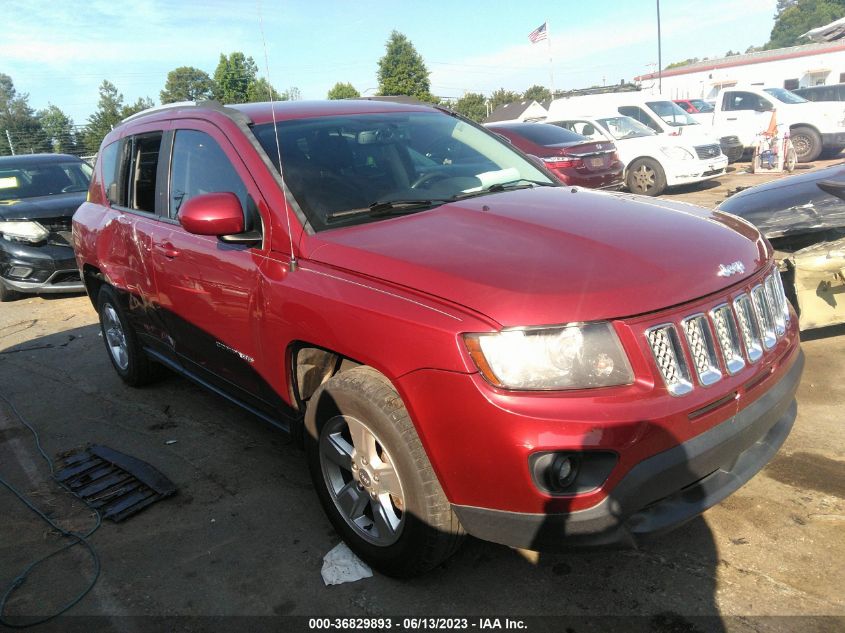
pixel 373 477
pixel 646 177
pixel 125 353
pixel 807 143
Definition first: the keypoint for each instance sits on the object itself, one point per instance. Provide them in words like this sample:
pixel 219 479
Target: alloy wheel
pixel 362 481
pixel 115 337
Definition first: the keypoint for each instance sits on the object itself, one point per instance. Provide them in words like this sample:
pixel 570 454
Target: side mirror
pixel 215 214
pixel 764 107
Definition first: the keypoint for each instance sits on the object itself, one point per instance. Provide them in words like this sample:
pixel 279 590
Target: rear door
pixel 135 198
pixel 208 289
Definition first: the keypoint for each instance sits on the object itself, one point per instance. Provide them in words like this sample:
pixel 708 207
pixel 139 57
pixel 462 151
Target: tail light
pixel 561 162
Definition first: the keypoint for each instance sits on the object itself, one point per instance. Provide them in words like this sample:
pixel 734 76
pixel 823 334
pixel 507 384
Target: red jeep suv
pixel 462 344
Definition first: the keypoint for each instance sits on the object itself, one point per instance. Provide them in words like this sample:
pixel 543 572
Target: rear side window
pixel 738 101
pixel 143 167
pixel 199 165
pixel 546 135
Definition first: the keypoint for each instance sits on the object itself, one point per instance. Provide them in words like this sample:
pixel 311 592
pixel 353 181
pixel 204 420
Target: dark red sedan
pixel 573 158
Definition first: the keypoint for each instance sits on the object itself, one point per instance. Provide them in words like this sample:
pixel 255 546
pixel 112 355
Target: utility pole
pixel 659 55
pixel 9 138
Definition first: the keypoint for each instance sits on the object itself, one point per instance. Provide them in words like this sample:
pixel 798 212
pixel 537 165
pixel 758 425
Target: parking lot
pixel 245 535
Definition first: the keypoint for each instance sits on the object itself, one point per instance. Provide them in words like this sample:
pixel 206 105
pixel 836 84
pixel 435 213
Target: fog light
pixel 571 472
pixel 563 472
pixel 20 271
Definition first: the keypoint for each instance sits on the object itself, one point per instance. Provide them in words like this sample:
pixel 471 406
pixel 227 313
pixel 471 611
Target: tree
pixel 502 97
pixel 537 93
pixel 801 16
pixel 260 90
pixel 143 103
pixel 472 105
pixel 19 120
pixel 187 83
pixel 343 91
pixel 402 70
pixel 110 112
pixel 686 62
pixel 233 76
pixel 105 118
pixel 292 94
pixel 58 129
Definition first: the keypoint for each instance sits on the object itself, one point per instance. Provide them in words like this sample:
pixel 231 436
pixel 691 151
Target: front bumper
pixel 53 268
pixel 663 491
pixel 696 170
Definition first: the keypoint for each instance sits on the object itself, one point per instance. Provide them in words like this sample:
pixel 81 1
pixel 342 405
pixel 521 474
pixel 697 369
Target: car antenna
pixel 293 264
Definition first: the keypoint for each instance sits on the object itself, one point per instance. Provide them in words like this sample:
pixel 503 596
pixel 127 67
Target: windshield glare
pixel 33 181
pixel 341 163
pixel 671 113
pixel 622 127
pixel 784 96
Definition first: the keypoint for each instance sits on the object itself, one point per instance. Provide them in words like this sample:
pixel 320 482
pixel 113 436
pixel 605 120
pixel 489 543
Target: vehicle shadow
pixel 823 332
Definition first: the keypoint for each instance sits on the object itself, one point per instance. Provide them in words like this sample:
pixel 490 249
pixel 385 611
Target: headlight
pixel 567 357
pixel 24 231
pixel 678 153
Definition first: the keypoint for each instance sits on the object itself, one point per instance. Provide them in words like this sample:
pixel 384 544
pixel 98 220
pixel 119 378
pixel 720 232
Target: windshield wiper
pixel 386 208
pixel 522 183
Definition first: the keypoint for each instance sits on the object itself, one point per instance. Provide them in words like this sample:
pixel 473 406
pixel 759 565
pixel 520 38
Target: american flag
pixel 538 34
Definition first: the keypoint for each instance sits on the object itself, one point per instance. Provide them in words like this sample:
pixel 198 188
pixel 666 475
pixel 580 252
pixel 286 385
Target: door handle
pixel 731 118
pixel 168 250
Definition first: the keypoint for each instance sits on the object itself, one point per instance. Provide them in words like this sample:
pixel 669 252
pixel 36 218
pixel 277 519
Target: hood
pixel 42 208
pixel 549 255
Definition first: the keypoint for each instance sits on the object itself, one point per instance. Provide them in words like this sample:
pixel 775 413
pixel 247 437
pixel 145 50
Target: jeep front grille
pixel 670 359
pixel 722 341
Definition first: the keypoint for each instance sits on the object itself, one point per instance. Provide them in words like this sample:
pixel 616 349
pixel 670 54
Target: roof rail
pixel 173 106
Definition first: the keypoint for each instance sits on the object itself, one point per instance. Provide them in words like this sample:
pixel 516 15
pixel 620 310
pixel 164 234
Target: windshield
pixel 701 105
pixel 336 166
pixel 671 113
pixel 32 181
pixel 785 96
pixel 622 127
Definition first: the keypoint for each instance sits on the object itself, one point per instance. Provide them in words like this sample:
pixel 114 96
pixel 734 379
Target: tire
pixel 6 294
pixel 807 143
pixel 357 428
pixel 791 160
pixel 646 177
pixel 125 353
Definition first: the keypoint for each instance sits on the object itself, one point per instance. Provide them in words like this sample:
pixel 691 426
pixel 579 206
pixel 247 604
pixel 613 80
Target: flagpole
pixel 551 66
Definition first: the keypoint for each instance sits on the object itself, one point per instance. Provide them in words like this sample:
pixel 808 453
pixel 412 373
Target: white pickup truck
pixel 814 127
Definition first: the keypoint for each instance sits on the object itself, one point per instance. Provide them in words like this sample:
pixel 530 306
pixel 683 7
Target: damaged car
pixel 461 344
pixel 803 217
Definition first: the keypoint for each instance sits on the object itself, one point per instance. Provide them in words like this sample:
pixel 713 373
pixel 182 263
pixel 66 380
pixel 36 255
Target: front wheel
pixel 807 143
pixel 6 294
pixel 373 477
pixel 646 177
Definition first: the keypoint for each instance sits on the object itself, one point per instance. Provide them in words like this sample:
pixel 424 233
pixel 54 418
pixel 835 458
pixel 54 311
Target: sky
pixel 60 51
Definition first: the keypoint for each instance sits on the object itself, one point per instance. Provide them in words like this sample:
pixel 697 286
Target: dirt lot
pixel 245 535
